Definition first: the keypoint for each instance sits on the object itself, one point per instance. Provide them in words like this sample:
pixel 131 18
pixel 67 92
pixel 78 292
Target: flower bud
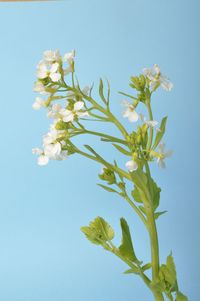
pixel 108 176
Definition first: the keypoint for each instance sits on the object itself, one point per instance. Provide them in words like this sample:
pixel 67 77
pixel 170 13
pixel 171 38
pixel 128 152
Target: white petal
pixel 55 77
pixel 161 163
pixel 133 116
pixel 68 116
pixel 168 153
pixel 131 165
pixel 78 105
pixel 43 160
pixel 152 123
pixel 54 67
pixel 37 151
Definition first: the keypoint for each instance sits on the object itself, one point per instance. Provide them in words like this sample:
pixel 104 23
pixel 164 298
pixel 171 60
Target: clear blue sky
pixel 43 255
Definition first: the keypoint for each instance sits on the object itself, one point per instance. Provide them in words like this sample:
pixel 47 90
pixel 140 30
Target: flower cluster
pixel 50 72
pixel 146 84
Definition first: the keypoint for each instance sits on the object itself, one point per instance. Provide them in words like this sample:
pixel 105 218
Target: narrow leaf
pixel 101 91
pixel 107 188
pixel 121 149
pixel 181 297
pixel 160 133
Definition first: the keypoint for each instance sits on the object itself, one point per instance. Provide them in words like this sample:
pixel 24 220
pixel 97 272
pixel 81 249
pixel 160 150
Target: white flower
pixel 130 112
pixel 69 115
pixel 150 123
pixel 162 155
pixel 52 150
pixel 38 104
pixel 51 56
pixel 55 111
pixel 39 87
pixel 69 57
pixel 45 70
pixel 42 160
pixel 131 165
pixel 156 78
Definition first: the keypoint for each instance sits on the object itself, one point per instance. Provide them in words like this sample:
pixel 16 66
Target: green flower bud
pixel 108 176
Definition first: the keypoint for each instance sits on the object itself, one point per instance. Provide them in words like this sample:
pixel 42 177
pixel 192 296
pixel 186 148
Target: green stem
pixel 151 129
pixel 153 239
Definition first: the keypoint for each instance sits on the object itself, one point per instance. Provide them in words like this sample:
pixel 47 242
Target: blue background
pixel 43 255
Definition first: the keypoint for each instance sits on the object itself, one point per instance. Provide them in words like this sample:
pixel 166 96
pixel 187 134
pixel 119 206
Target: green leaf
pixel 142 209
pixel 158 214
pixel 160 133
pixel 133 270
pixel 181 297
pixel 98 231
pixel 155 194
pixel 101 92
pixel 146 266
pixel 126 247
pixel 107 188
pixel 167 275
pixel 136 195
pixel 140 180
pixel 121 149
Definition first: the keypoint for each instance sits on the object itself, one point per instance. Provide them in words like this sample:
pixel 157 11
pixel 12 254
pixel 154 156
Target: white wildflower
pixel 51 56
pixel 156 78
pixel 130 112
pixel 70 115
pixel 38 104
pixel 163 155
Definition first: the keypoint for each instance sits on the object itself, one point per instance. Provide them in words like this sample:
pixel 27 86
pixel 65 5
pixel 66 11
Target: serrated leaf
pixel 160 133
pixel 121 149
pixel 158 214
pixel 126 247
pixel 107 188
pixel 181 297
pixel 98 231
pixel 167 275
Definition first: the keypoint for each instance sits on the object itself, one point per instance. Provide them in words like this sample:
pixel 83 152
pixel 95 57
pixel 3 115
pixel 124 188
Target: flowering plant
pixel 70 107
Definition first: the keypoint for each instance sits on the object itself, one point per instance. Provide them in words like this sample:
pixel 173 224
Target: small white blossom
pixel 51 56
pixel 54 111
pixel 150 123
pixel 69 57
pixel 45 70
pixel 163 155
pixel 156 78
pixel 39 87
pixel 38 104
pixel 130 112
pixel 42 160
pixel 131 165
pixel 69 115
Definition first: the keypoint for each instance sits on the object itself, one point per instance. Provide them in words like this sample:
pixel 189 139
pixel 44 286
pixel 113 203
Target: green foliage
pixel 155 194
pixel 136 195
pixel 108 175
pixel 99 232
pixel 181 297
pixel 126 247
pixel 121 149
pixel 101 94
pixel 159 213
pixel 167 275
pixel 107 188
pixel 160 133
